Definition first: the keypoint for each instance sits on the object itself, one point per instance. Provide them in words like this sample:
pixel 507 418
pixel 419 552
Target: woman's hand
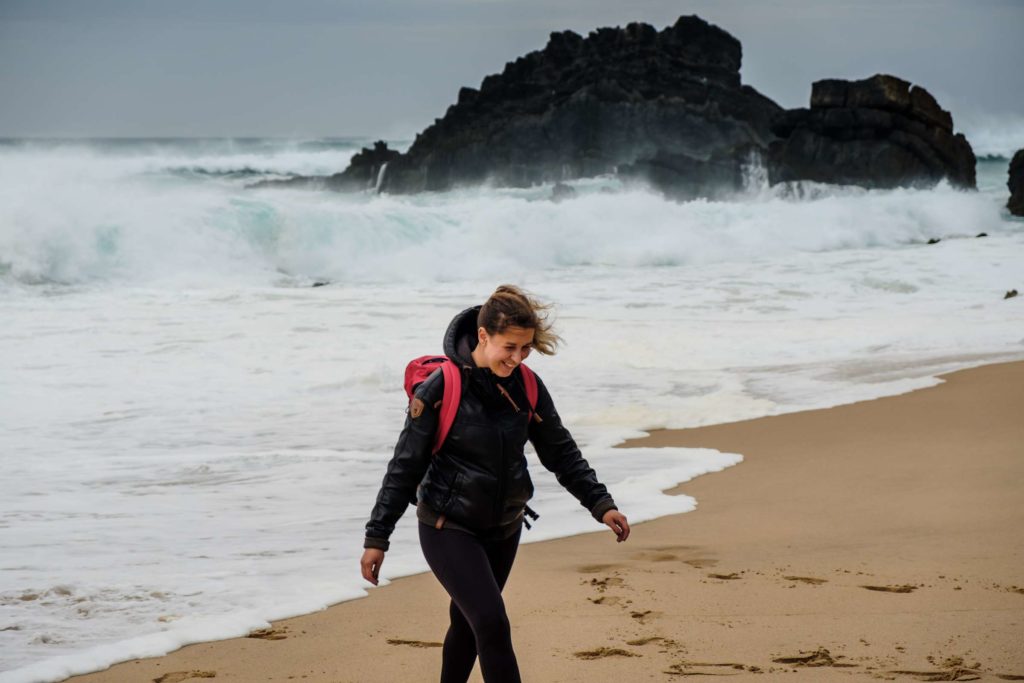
pixel 373 558
pixel 616 521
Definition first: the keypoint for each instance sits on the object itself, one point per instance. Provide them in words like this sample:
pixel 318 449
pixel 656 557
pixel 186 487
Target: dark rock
pixel 878 132
pixel 982 234
pixel 934 240
pixel 364 172
pixel 1010 294
pixel 562 191
pixel 366 169
pixel 585 106
pixel 1016 184
pixel 923 106
pixel 682 177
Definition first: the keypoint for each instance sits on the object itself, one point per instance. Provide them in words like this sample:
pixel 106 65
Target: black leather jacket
pixel 479 478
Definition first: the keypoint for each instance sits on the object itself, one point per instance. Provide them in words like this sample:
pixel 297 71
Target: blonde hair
pixel 510 306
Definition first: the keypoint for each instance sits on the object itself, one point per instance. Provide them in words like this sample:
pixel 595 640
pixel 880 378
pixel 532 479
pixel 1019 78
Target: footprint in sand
pixel 595 568
pixel 413 643
pixel 725 577
pixel 952 668
pixel 701 562
pixel 644 616
pixel 176 676
pixel 820 657
pixel 269 634
pixel 601 652
pixel 655 557
pixel 606 600
pixel 806 579
pixel 954 674
pixel 906 588
pixel 689 668
pixel 672 553
pixel 602 584
pixel 644 641
pixel 666 643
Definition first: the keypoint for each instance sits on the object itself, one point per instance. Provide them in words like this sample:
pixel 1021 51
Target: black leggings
pixel 473 571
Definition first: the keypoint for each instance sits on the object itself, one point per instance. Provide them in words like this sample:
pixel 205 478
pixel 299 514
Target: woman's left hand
pixel 616 521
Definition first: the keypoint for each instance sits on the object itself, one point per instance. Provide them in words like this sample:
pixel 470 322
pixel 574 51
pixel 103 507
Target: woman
pixel 471 495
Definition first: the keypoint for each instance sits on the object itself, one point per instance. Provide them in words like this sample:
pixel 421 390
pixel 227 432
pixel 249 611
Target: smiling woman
pixel 504 351
pixel 471 493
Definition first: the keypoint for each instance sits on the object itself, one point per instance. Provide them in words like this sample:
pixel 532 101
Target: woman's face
pixel 503 351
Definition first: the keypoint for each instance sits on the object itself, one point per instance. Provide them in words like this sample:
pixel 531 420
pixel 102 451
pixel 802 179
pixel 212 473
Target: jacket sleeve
pixel 559 453
pixel 408 464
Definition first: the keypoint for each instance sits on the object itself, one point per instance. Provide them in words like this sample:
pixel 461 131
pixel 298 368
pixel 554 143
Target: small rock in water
pixel 1012 293
pixel 321 283
pixel 982 234
pixel 934 240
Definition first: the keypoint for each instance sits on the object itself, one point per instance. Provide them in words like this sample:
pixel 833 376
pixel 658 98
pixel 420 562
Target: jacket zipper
pixel 499 504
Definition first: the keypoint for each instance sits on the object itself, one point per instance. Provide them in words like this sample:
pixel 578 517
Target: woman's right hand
pixel 373 558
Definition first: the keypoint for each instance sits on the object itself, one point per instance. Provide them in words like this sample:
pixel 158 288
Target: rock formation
pixel 585 106
pixel 1016 184
pixel 667 108
pixel 878 132
pixel 365 171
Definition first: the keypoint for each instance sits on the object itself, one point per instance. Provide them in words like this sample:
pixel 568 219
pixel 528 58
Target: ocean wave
pixel 179 235
pixel 184 218
pixel 246 172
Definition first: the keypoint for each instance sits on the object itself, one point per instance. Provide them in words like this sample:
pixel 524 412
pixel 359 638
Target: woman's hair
pixel 510 306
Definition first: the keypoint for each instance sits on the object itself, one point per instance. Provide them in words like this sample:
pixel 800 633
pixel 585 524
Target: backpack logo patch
pixel 416 408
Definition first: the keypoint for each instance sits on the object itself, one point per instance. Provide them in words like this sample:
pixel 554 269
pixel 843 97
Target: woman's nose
pixel 517 356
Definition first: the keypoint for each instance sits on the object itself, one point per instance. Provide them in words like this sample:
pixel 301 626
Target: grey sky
pixel 386 68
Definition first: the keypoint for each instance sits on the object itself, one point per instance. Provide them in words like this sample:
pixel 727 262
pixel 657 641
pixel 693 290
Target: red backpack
pixel 421 368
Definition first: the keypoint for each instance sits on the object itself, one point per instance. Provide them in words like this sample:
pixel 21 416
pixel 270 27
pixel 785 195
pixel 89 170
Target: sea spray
pixel 83 217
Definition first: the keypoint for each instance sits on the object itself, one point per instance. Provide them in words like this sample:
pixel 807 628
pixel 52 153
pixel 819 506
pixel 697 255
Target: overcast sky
pixel 387 68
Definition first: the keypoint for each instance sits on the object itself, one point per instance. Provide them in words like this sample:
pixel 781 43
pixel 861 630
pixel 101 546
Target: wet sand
pixel 878 540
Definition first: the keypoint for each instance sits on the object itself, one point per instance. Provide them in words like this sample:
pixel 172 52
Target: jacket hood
pixel 460 338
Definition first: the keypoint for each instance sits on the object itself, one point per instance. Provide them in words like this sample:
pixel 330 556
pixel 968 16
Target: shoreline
pixel 729 603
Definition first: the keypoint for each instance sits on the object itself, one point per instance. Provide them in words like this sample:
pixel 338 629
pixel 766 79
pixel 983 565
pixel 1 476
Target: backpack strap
pixel 453 395
pixel 530 384
pixel 449 403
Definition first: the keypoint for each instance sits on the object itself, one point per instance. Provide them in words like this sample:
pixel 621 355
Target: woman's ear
pixel 481 335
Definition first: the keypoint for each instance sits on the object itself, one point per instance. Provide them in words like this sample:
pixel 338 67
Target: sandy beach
pixel 882 539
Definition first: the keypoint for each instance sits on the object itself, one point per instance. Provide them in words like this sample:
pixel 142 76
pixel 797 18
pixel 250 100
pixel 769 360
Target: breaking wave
pixel 157 213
